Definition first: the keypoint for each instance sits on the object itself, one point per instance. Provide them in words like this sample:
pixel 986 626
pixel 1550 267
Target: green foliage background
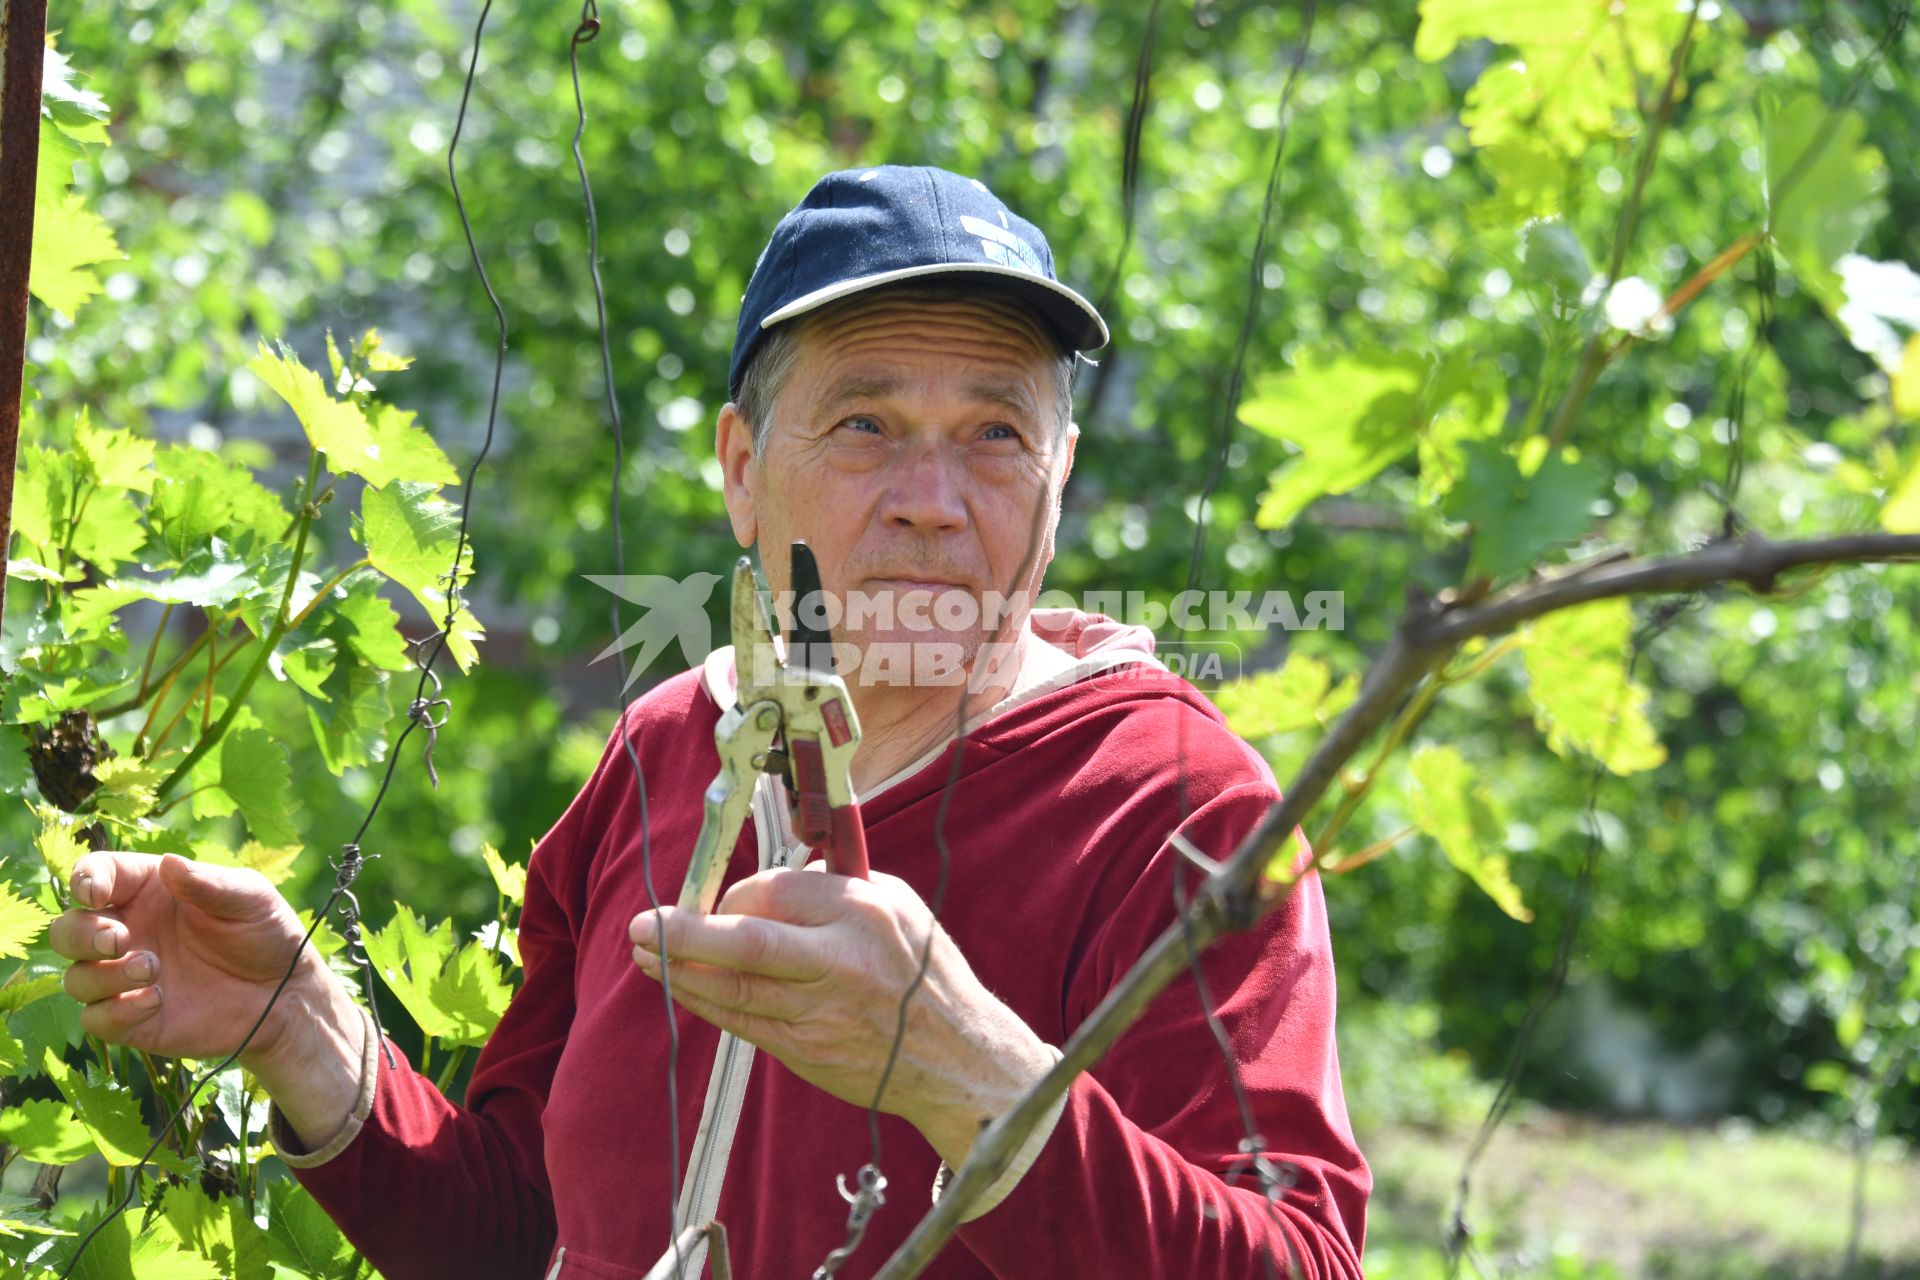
pixel 276 173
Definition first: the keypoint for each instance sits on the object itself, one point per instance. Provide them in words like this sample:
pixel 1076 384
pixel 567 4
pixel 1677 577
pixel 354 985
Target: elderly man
pixel 900 400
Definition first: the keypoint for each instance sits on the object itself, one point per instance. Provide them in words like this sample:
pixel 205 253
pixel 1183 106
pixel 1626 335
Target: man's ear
pixel 739 472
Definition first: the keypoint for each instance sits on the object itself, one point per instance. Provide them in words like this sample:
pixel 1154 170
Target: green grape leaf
pixel 22 922
pixel 200 1224
pixel 1553 255
pixel 334 427
pixel 302 1240
pixel 42 481
pixel 350 727
pixel 1351 415
pixel 455 996
pixel 58 844
pixel 254 771
pixel 21 992
pixel 16 771
pixel 1467 402
pixel 1583 696
pixel 128 787
pixel 116 459
pixel 45 1131
pixel 1444 24
pixel 368 626
pixel 1825 188
pixel 198 495
pixel 66 103
pixel 1277 701
pixel 111 1116
pixel 1530 180
pixel 509 878
pixel 307 666
pixel 405 451
pixel 13 1055
pixel 68 237
pixel 110 531
pixel 1462 816
pixel 410 533
pixel 1575 73
pixel 43 1025
pixel 1516 517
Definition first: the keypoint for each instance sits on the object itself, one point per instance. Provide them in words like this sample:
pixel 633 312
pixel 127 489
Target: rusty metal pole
pixel 23 52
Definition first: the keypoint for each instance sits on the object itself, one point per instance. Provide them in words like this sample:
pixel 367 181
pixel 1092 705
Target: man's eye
pixel 862 424
pixel 1001 432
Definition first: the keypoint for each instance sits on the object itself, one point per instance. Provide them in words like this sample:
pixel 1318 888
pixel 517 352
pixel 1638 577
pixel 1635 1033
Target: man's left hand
pixel 812 968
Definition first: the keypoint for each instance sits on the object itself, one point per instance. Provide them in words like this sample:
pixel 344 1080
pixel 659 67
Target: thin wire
pixel 1274 1177
pixel 424 712
pixel 587 32
pixel 1130 153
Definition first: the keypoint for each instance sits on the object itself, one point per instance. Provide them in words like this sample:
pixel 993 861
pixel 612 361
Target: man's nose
pixel 926 491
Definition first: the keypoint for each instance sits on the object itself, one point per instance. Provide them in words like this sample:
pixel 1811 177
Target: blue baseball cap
pixel 862 228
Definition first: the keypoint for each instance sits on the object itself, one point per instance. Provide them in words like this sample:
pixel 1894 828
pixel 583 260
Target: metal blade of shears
pixel 743 737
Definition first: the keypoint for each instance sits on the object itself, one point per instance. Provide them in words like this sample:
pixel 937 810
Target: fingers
pixel 796 899
pixel 226 893
pixel 102 880
pixel 117 1018
pixel 747 993
pixel 741 942
pixel 94 980
pixel 746 1024
pixel 87 935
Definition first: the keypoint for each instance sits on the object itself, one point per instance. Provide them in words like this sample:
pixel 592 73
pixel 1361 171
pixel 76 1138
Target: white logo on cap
pixel 1002 247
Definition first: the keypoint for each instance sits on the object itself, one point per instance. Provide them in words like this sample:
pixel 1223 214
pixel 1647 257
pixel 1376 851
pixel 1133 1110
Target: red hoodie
pixel 1060 878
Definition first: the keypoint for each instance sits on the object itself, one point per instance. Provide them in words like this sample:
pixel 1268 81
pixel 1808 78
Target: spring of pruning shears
pixel 793 719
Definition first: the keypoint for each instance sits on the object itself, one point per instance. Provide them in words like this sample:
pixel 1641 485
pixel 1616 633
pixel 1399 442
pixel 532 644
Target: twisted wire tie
pixel 345 871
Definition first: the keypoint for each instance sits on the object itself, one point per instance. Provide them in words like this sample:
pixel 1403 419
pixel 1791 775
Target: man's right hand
pixel 179 958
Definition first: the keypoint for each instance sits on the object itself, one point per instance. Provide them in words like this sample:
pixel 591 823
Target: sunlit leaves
pixel 45 1131
pixel 22 922
pixel 1458 809
pixel 1825 187
pixel 410 534
pixel 1553 255
pixel 302 1240
pixel 1583 696
pixel 1298 695
pixel 335 427
pixel 1575 71
pixel 379 443
pixel 455 993
pixel 68 237
pixel 1351 415
pixel 509 878
pixel 116 459
pixel 1515 516
pixel 198 495
pixel 110 1115
pixel 254 772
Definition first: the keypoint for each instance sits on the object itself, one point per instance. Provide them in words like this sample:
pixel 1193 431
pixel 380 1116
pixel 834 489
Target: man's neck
pixel 900 724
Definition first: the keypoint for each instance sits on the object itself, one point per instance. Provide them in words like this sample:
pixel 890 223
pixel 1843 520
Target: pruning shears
pixel 793 719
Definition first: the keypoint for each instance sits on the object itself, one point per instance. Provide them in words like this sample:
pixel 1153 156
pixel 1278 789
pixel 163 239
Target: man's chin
pixel 930 659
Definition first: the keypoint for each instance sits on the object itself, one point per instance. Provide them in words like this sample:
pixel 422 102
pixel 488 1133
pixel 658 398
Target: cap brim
pixel 1079 323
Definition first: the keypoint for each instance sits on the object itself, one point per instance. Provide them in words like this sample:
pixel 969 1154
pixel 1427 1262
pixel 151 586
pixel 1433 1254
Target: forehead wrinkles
pixel 989 328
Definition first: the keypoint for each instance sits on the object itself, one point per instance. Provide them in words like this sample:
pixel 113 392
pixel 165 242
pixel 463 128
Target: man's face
pixel 916 447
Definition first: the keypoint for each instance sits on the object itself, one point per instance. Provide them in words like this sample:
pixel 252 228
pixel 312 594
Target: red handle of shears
pixel 837 833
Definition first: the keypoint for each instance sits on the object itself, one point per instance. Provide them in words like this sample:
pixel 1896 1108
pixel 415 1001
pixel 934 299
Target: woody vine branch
pixel 1239 890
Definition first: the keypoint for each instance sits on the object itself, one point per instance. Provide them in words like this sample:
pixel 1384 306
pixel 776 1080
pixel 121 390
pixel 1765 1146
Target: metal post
pixel 23 45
